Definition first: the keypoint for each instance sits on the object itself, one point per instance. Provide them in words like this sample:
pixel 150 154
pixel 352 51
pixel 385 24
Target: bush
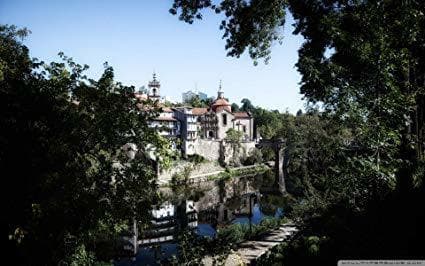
pixel 255 156
pixel 196 159
pixel 233 234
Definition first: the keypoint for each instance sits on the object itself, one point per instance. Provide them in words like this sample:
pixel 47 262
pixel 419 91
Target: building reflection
pixel 203 208
pixel 219 205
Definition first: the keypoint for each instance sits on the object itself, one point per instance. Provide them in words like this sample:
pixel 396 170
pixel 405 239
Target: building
pixel 189 128
pixel 192 124
pixel 218 119
pixel 212 123
pixel 154 89
pixel 187 96
pixel 166 124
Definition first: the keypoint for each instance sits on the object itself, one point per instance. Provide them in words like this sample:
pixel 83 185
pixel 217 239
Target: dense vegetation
pixel 357 165
pixel 68 185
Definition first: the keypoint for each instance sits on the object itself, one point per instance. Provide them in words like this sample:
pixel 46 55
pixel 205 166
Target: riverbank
pixel 249 251
pixel 218 173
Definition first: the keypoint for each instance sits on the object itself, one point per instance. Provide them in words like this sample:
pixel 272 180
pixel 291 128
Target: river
pixel 204 208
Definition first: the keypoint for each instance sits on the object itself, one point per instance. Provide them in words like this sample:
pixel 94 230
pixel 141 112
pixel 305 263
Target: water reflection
pixel 204 208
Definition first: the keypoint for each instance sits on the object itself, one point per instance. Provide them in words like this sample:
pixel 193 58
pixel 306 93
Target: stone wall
pixel 210 149
pixel 206 167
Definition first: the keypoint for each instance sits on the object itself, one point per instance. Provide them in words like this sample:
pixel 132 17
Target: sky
pixel 139 37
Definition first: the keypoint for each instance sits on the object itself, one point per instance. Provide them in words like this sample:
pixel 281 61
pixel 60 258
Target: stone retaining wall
pixel 210 149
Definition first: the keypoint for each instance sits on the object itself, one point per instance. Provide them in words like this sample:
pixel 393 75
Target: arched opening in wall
pixel 211 134
pixel 154 91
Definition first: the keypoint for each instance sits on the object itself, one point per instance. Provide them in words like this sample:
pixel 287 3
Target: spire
pixel 220 91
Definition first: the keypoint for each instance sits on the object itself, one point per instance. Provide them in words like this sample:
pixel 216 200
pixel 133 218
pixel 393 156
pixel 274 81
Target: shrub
pixel 196 159
pixel 255 156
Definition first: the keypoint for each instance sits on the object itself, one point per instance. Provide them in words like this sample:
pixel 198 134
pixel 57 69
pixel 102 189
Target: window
pixel 224 119
pixel 244 129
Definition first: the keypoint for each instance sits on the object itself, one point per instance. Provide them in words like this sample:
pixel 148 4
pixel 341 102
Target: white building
pixel 212 123
pixel 166 124
pixel 191 124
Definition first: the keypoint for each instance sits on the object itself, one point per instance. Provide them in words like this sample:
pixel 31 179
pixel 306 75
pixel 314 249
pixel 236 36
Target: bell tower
pixel 154 87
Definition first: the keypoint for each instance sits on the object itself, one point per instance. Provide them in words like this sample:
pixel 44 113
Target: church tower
pixel 220 93
pixel 221 103
pixel 154 87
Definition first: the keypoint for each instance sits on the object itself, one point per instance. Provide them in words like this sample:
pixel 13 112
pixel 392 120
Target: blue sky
pixel 138 37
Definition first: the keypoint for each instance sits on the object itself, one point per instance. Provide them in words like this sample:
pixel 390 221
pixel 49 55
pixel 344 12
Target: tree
pixel 363 63
pixel 235 107
pixel 357 71
pixel 252 25
pixel 195 101
pixel 234 137
pixel 66 181
pixel 208 101
pixel 143 90
pixel 247 106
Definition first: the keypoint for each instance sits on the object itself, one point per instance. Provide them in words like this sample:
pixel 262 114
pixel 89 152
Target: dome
pixel 221 104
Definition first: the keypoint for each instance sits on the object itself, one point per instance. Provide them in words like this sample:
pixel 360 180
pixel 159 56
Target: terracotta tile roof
pixel 221 104
pixel 239 115
pixel 199 110
pixel 167 110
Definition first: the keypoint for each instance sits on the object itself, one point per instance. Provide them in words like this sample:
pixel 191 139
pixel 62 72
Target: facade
pixel 219 118
pixel 212 123
pixel 192 124
pixel 189 129
pixel 165 123
pixel 154 89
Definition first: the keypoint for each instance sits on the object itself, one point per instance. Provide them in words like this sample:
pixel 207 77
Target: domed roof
pixel 221 104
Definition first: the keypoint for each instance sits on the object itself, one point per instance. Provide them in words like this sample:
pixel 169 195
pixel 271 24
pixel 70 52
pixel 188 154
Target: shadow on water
pixel 205 208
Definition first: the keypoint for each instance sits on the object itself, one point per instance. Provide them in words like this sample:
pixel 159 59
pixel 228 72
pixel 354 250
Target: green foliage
pixel 82 257
pixel 65 171
pixel 234 137
pixel 236 233
pixel 196 159
pixel 181 177
pixel 362 62
pixel 192 248
pixel 247 106
pixel 195 101
pixel 255 156
pixel 252 25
